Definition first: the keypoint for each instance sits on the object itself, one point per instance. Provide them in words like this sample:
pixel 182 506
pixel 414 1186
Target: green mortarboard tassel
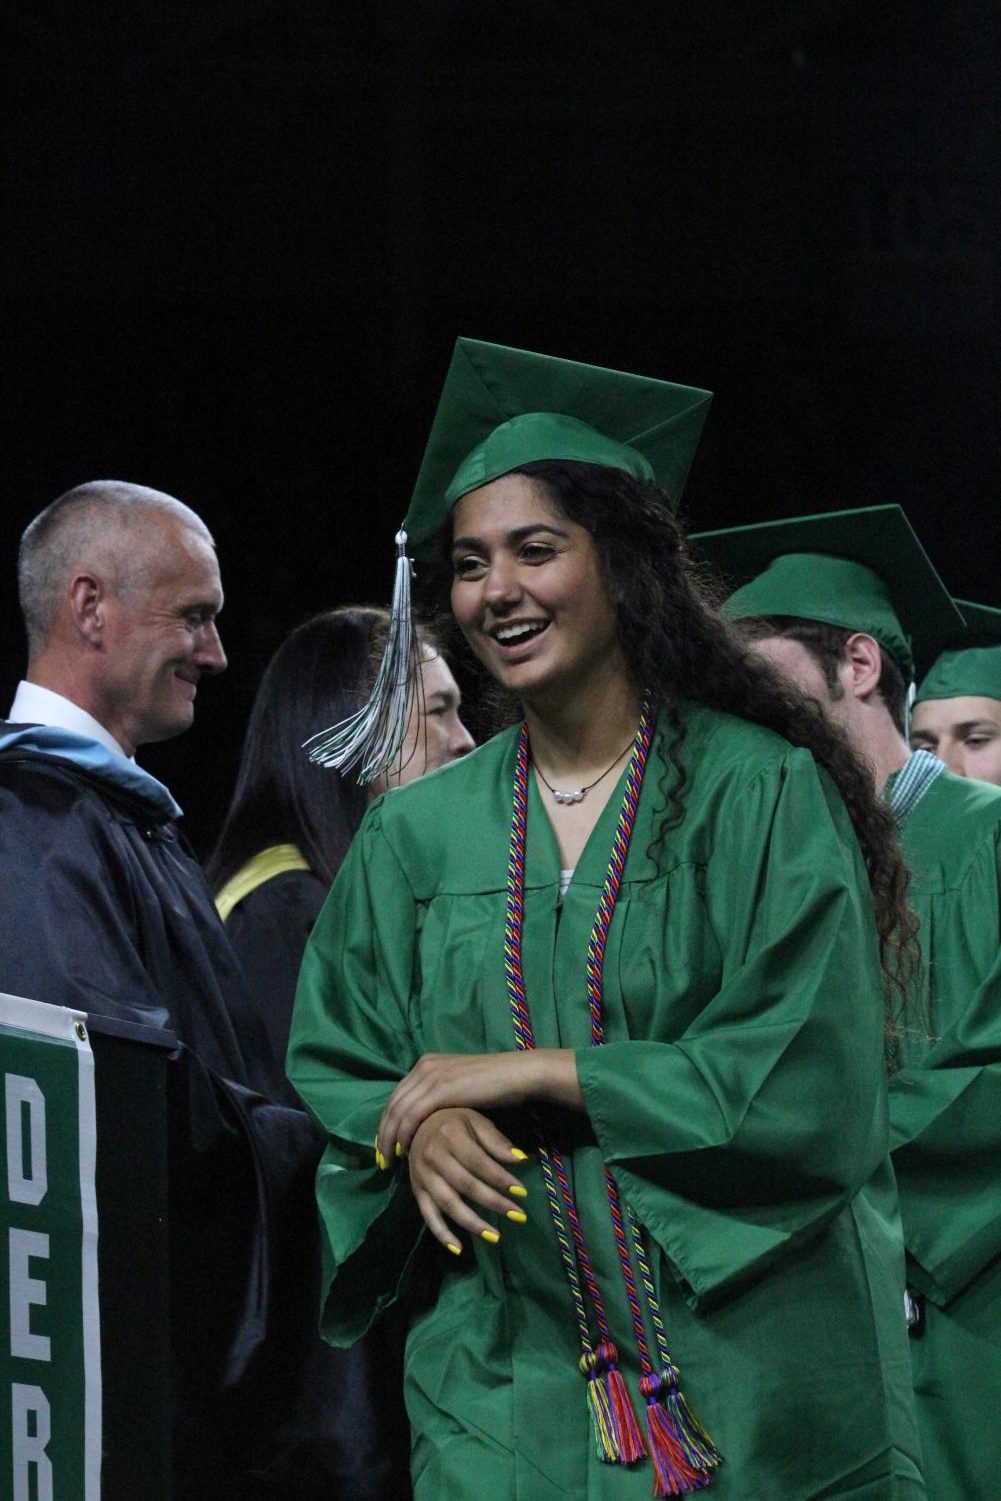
pixel 374 736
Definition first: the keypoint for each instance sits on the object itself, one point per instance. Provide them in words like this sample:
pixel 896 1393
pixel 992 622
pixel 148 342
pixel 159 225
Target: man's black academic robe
pixel 103 909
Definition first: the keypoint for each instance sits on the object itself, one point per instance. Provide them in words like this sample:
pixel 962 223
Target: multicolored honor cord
pixel 683 1455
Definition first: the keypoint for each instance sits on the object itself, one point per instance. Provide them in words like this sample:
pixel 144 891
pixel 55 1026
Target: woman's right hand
pixel 458 1158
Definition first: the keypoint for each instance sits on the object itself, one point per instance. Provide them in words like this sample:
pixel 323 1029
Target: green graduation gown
pixel 945 1117
pixel 740 1100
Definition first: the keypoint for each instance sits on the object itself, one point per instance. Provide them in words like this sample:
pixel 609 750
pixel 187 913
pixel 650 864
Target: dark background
pixel 239 239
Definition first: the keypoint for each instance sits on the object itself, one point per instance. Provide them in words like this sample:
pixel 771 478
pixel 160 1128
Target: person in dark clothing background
pixel 105 910
pixel 120 590
pixel 286 833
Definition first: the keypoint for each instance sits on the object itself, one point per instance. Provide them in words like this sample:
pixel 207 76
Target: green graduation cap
pixel 970 667
pixel 501 408
pixel 863 570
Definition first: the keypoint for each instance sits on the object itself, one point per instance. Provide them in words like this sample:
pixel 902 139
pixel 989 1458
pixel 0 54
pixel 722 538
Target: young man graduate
pixel 845 605
pixel 957 710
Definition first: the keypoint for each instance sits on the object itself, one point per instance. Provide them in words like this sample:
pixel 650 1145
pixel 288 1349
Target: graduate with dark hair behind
pixel 286 833
pixel 607 996
pixel 846 606
pixel 290 821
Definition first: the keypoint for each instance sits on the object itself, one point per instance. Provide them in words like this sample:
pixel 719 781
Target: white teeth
pixel 517 632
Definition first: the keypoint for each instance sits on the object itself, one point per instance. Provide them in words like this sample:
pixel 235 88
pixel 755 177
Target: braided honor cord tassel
pixel 684 1457
pixel 683 1454
pixel 616 1432
pixel 376 733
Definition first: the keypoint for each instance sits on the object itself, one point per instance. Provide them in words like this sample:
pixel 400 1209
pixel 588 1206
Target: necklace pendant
pixel 565 795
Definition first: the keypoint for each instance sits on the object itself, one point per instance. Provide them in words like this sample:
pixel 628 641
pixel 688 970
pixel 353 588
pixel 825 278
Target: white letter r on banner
pixel 28 1449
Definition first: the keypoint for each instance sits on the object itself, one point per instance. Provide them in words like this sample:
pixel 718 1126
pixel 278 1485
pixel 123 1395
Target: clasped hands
pixel 456 1156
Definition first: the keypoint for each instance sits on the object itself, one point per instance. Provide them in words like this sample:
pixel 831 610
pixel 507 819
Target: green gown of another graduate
pixel 945 1115
pixel 739 1099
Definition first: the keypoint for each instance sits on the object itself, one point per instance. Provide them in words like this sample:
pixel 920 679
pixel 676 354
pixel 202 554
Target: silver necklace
pixel 567 795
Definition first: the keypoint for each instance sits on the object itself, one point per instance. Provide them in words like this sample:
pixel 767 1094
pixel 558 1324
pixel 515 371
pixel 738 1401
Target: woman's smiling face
pixel 528 591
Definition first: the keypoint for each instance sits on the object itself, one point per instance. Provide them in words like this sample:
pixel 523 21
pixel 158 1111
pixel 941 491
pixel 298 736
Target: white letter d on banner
pixel 22 1189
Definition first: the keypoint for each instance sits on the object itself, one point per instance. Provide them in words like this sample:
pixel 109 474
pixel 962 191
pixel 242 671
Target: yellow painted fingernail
pixel 380 1161
pixel 517 1190
pixel 521 1156
pixel 455 1250
pixel 518 1215
pixel 490 1236
pixel 399 1150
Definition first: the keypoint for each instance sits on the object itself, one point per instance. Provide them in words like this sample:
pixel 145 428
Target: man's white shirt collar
pixel 35 705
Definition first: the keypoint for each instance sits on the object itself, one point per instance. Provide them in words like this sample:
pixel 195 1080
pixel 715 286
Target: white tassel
pixel 374 736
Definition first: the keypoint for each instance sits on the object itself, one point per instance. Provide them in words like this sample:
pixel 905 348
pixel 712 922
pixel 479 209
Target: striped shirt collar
pixel 906 787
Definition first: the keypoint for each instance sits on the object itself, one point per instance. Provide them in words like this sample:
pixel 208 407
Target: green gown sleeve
pixel 945 1107
pixel 359 958
pixel 767 1115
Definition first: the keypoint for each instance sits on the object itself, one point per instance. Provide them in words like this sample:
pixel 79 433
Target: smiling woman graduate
pixel 608 997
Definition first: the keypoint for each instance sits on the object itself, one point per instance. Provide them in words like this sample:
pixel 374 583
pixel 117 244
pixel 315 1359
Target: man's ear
pixel 863 665
pixel 87 601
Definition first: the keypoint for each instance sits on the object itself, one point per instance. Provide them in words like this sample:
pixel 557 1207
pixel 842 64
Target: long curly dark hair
pixel 678 646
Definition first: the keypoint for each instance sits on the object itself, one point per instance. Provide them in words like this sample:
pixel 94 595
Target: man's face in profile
pixel 159 636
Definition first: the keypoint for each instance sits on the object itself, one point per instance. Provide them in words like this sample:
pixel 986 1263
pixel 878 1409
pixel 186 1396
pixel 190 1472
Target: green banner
pixel 50 1358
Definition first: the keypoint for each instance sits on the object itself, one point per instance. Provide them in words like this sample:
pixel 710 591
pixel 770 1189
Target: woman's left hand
pixel 479 1080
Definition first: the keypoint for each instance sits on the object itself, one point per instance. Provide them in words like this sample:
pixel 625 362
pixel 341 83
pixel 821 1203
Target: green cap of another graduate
pixel 862 570
pixel 970 667
pixel 501 408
